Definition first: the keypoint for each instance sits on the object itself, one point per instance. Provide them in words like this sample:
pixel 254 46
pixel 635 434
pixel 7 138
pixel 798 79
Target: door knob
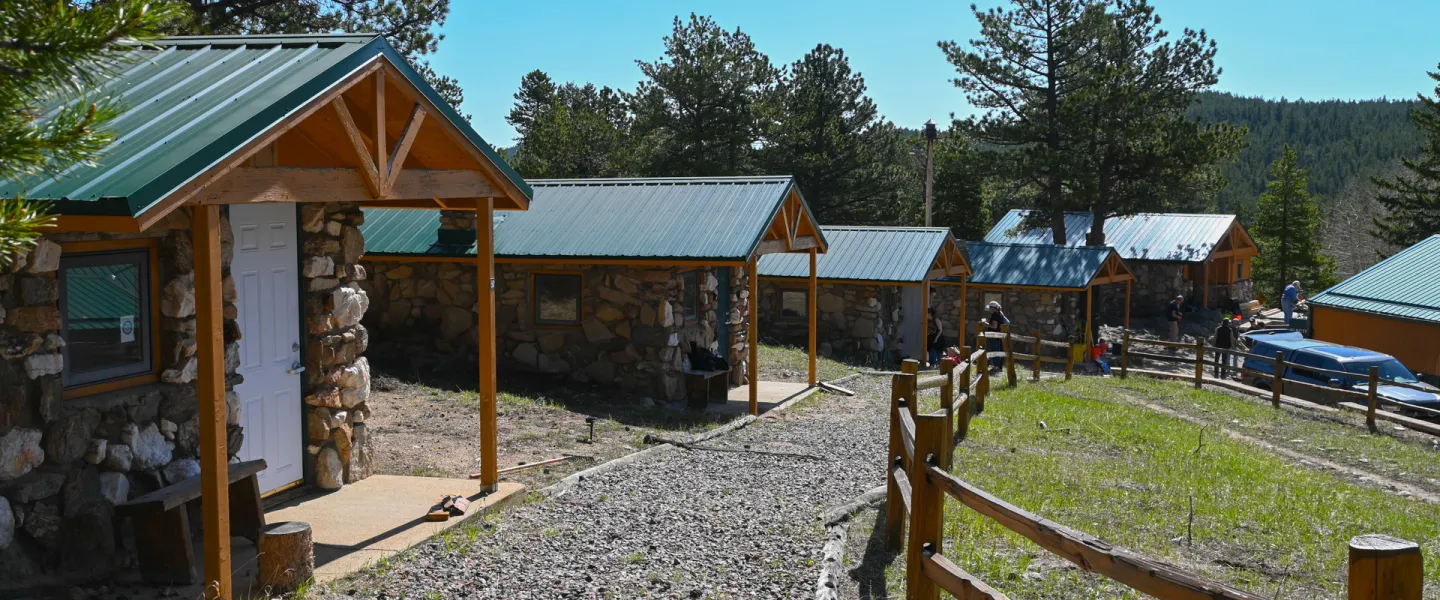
pixel 296 368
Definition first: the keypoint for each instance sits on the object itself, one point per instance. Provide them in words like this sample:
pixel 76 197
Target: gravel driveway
pixel 676 524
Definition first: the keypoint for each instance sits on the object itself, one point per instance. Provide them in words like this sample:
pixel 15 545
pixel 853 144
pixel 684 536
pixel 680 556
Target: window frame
pixel 690 283
pixel 780 304
pixel 150 307
pixel 535 300
pixel 986 297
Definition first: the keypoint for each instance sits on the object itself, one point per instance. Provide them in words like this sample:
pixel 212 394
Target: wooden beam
pixel 74 223
pixel 210 383
pixel 752 336
pixel 485 335
pixel 402 147
pixel 369 174
pixel 780 246
pixel 810 312
pixel 381 169
pixel 249 185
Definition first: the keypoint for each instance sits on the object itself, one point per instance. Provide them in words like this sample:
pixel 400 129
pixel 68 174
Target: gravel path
pixel 676 524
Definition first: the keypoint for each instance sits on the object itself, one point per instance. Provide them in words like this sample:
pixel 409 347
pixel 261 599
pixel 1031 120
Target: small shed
pixel 1049 289
pixel 607 280
pixel 1391 307
pixel 198 300
pixel 871 293
pixel 1204 257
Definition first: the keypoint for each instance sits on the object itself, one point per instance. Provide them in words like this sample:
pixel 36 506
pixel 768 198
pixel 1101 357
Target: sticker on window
pixel 127 329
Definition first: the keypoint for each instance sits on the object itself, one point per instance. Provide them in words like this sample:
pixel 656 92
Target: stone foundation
pixel 65 463
pixel 337 375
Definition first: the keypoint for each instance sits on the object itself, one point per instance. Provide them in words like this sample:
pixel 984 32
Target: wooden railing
pixel 1036 355
pixel 1368 401
pixel 919 478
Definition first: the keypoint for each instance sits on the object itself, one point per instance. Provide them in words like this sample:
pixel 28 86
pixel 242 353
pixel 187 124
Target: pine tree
pixel 1287 229
pixel 701 109
pixel 1412 198
pixel 962 197
pixel 571 130
pixel 1141 152
pixel 1025 71
pixel 55 53
pixel 847 159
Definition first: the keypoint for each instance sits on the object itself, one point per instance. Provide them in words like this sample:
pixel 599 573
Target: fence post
pixel 1036 348
pixel 982 389
pixel 1009 356
pixel 1125 353
pixel 1199 362
pixel 947 400
pixel 1371 397
pixel 1277 384
pixel 902 387
pixel 1385 568
pixel 1069 357
pixel 911 367
pixel 967 404
pixel 926 504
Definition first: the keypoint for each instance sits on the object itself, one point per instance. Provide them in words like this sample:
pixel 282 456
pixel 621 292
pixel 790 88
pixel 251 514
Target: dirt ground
pixel 433 428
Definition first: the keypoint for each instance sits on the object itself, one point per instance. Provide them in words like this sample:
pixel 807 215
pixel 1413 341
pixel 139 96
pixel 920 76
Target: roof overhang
pixel 1236 243
pixel 949 261
pixel 1113 270
pixel 374 137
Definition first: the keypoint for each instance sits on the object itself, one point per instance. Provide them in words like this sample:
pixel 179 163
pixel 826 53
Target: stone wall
pixel 65 463
pixel 853 320
pixel 632 333
pixel 337 374
pixel 1058 315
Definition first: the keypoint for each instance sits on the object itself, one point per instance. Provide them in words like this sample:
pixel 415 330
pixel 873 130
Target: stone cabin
pixel 1046 288
pixel 611 281
pixel 197 301
pixel 1204 257
pixel 873 290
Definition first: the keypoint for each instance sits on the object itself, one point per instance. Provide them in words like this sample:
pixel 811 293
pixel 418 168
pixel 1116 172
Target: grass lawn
pixel 788 363
pixel 1128 475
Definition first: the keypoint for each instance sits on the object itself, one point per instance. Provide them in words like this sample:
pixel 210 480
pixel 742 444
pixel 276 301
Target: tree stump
pixel 1385 568
pixel 287 556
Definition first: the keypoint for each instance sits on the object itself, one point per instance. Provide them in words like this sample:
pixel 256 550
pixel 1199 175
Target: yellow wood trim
pixel 110 386
pixel 86 223
pixel 752 335
pixel 180 196
pixel 535 299
pixel 368 174
pixel 249 185
pixel 156 355
pixel 810 309
pixel 800 281
pixel 284 488
pixel 210 383
pixel 485 332
pixel 108 245
pixel 382 170
pixel 402 148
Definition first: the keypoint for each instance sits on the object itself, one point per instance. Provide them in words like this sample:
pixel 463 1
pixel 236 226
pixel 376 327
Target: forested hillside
pixel 1340 142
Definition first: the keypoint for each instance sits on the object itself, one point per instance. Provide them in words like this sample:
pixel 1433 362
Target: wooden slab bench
pixel 162 525
pixel 702 387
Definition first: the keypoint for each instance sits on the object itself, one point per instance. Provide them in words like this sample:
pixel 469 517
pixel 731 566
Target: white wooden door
pixel 266 277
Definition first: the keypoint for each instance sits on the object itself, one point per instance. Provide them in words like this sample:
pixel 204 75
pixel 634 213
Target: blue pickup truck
pixel 1300 353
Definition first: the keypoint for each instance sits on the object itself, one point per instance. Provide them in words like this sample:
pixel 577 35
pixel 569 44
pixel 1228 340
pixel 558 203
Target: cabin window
pixel 690 295
pixel 105 315
pixel 557 298
pixel 995 297
pixel 794 304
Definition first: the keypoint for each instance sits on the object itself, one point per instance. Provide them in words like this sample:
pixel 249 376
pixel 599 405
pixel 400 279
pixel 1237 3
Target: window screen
pixel 557 299
pixel 794 304
pixel 105 310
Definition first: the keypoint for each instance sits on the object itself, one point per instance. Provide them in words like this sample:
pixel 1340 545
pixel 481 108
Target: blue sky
pixel 1312 49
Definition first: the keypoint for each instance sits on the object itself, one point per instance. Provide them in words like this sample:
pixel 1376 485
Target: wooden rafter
pixel 402 147
pixel 369 173
pixel 380 167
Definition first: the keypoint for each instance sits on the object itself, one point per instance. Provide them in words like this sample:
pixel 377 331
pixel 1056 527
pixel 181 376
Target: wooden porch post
pixel 960 341
pixel 485 339
pixel 1089 317
pixel 1127 303
pixel 810 310
pixel 210 380
pixel 1205 284
pixel 753 334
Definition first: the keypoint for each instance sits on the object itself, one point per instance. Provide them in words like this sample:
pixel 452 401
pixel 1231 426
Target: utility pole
pixel 930 134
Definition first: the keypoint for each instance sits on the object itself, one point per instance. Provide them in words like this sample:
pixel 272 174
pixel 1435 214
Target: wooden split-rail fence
pixel 921 450
pixel 1199 356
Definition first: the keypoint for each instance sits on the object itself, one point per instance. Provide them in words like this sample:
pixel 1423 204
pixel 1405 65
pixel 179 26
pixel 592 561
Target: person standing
pixel 995 322
pixel 1173 315
pixel 936 337
pixel 1224 340
pixel 1289 299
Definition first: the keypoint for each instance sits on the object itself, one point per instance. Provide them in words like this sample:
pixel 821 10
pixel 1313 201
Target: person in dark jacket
pixel 1225 339
pixel 935 337
pixel 994 322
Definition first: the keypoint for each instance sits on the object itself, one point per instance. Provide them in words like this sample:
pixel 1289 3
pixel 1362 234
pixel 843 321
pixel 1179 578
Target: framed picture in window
pixel 555 299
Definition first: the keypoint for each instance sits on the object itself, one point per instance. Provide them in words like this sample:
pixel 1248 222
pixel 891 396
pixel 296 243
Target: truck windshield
pixel 1390 370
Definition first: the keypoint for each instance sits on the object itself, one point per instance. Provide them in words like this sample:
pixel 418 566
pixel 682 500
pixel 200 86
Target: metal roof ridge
pixel 1141 214
pixel 178 40
pixel 898 228
pixel 599 181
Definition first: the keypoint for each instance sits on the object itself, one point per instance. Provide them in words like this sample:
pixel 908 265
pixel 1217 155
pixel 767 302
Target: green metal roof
pixel 1169 237
pixel 901 254
pixel 96 297
pixel 189 102
pixel 1035 265
pixel 1406 285
pixel 701 218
